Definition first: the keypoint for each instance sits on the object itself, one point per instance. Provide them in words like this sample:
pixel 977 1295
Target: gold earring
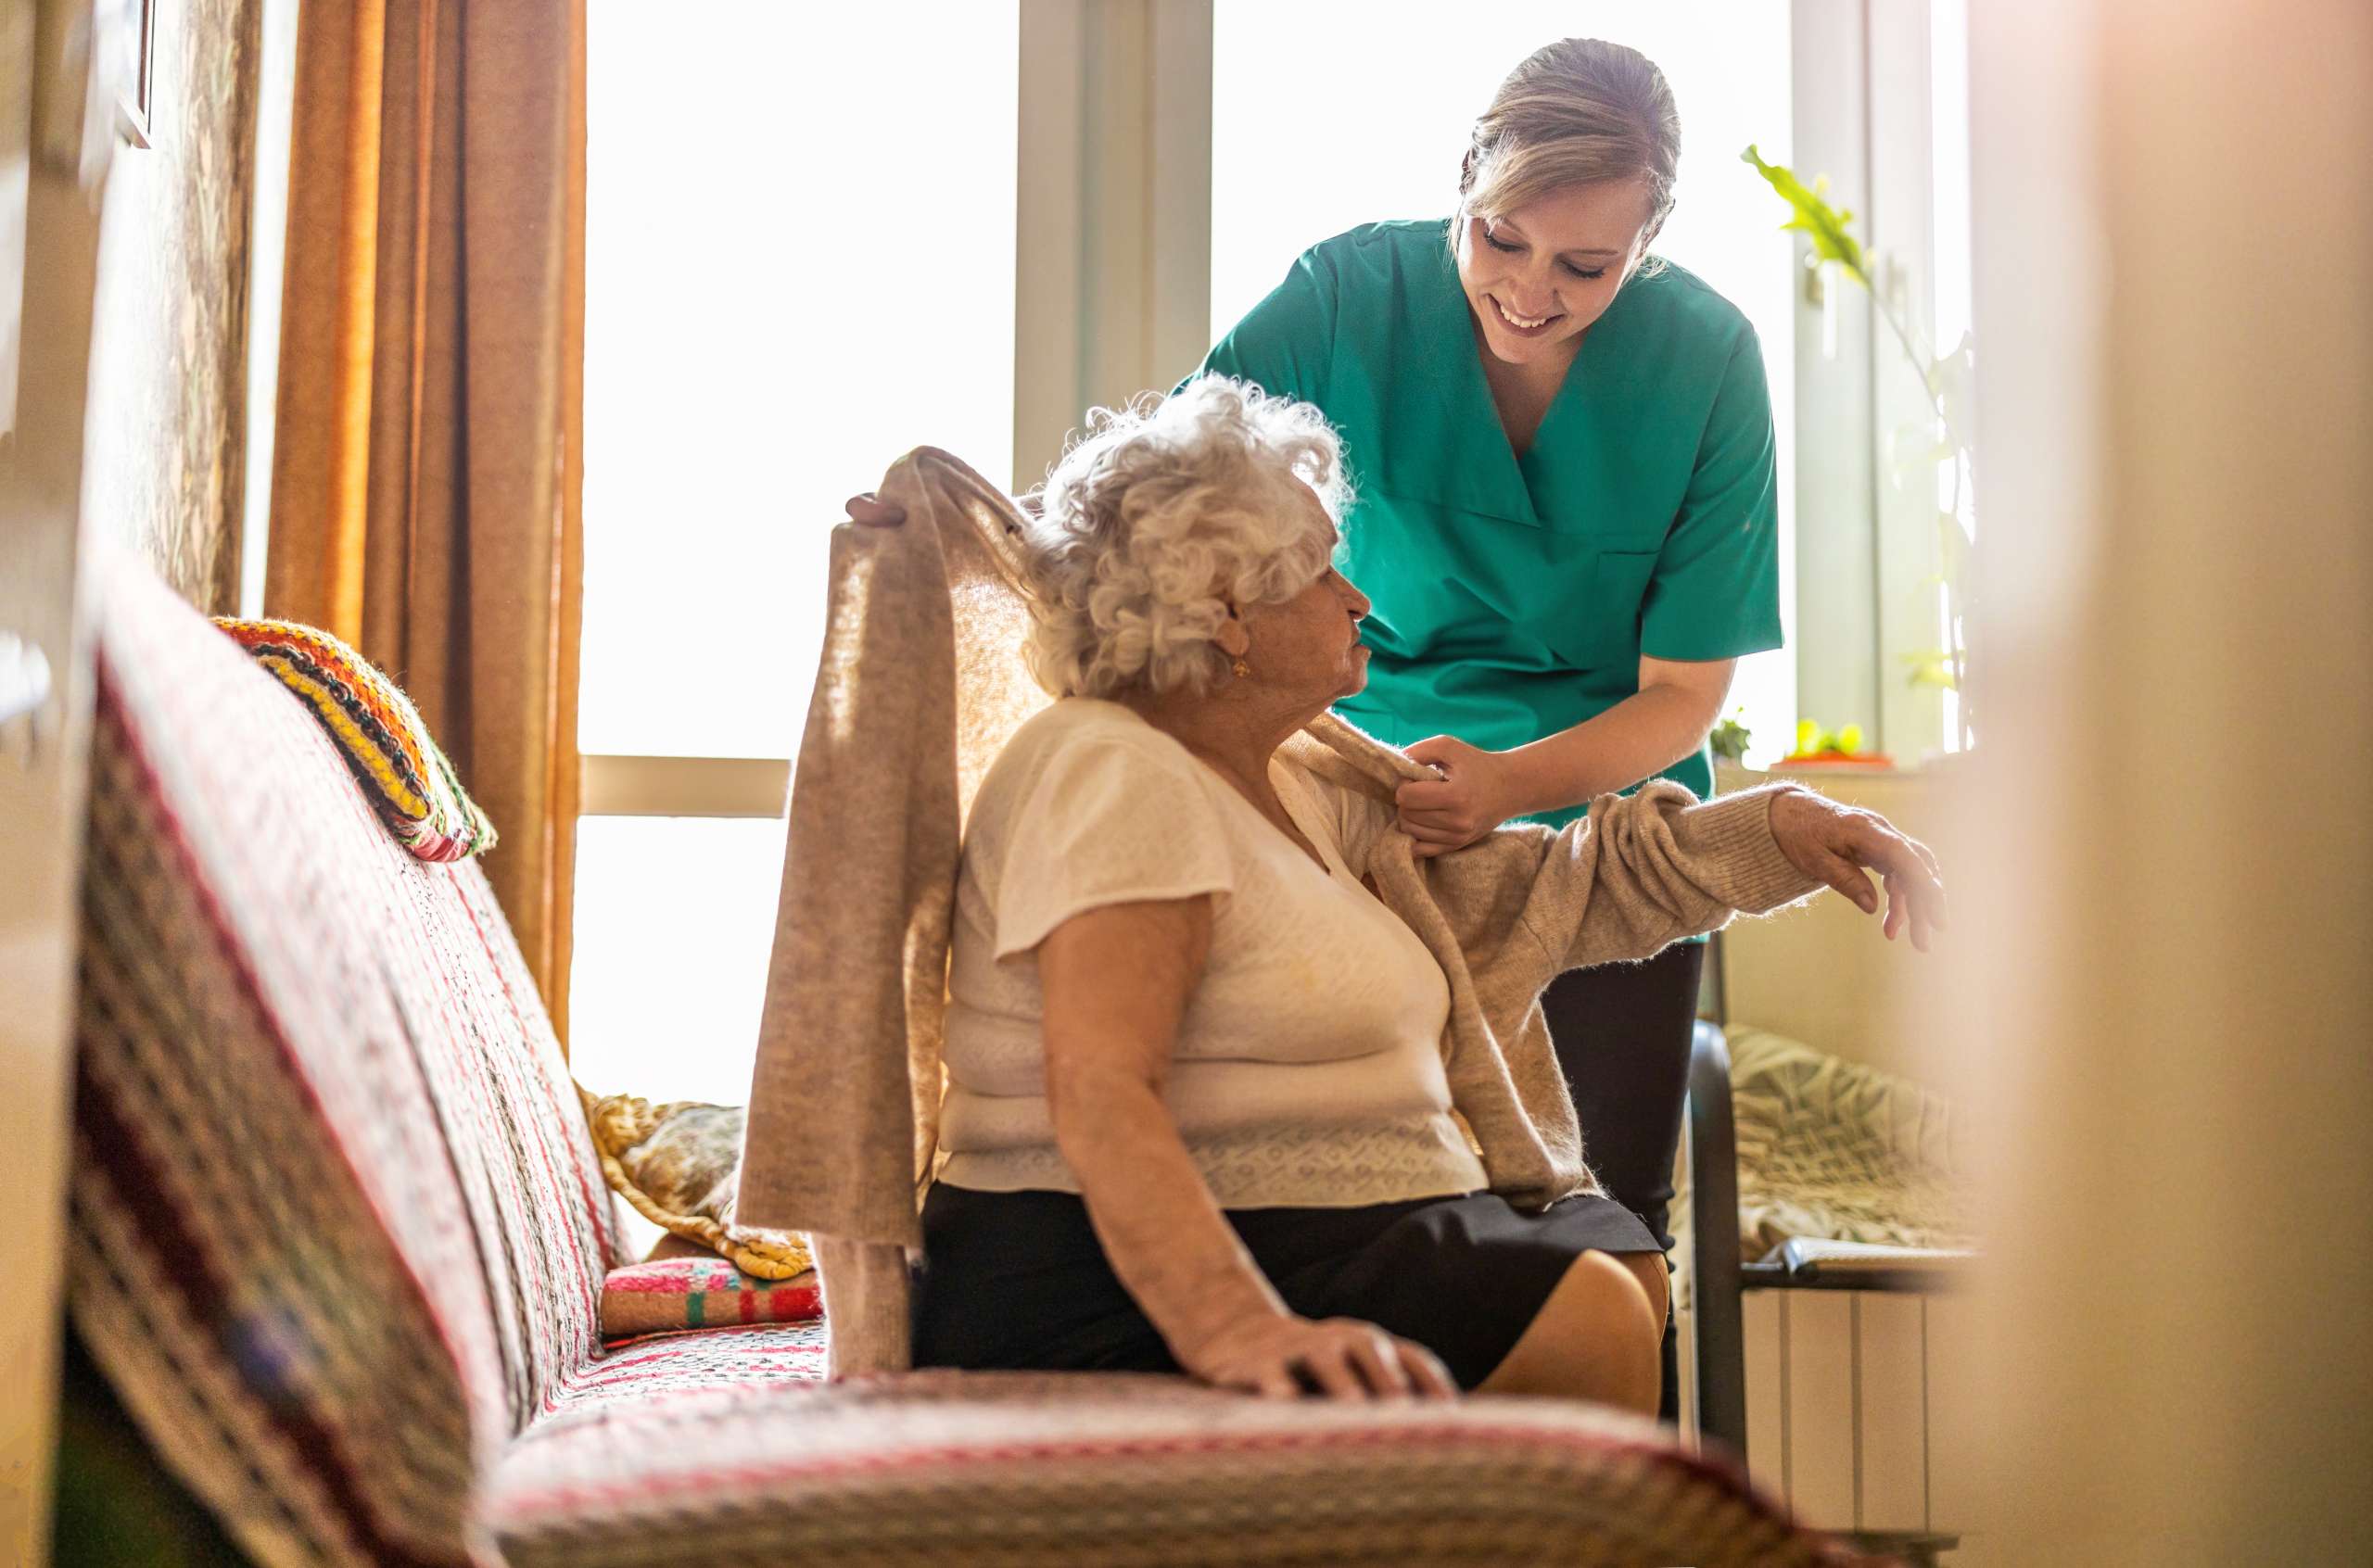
pixel 1242 669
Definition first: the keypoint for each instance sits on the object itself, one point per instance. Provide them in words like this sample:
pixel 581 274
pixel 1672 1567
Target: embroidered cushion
pixel 380 733
pixel 690 1293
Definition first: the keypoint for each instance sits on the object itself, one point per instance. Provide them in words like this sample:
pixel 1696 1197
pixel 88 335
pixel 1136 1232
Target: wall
pixel 2165 951
pixel 164 465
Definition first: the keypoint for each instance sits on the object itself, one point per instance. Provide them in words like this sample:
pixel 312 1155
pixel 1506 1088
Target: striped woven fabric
pixel 389 750
pixel 927 1470
pixel 342 1237
pixel 341 1229
pixel 690 1293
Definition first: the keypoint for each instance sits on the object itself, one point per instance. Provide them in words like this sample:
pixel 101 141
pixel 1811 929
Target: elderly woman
pixel 1197 1114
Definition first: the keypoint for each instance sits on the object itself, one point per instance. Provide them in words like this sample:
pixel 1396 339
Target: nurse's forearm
pixel 1641 736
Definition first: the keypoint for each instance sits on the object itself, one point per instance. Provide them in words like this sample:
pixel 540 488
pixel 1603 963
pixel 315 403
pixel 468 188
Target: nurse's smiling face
pixel 1535 278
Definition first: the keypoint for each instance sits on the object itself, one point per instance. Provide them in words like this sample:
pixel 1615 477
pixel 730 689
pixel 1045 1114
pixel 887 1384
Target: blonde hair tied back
pixel 1578 111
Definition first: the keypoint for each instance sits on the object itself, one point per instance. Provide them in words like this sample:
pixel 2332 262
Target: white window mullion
pixel 1112 242
pixel 1837 594
pixel 1912 719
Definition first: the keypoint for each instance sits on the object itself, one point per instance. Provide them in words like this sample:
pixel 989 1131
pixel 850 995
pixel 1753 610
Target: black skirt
pixel 1018 1280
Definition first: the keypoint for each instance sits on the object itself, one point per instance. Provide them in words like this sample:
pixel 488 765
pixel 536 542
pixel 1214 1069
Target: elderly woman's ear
pixel 1232 639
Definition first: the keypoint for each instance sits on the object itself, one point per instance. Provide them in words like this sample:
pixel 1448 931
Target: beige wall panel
pixel 1822 973
pixel 1893 1412
pixel 1766 1392
pixel 166 463
pixel 2169 938
pixel 1820 1327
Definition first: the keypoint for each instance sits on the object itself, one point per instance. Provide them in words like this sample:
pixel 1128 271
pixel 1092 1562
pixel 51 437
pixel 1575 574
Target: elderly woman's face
pixel 1537 277
pixel 1310 644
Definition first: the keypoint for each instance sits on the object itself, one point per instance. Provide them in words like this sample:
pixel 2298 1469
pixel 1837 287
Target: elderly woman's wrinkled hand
pixel 1474 795
pixel 1279 1355
pixel 875 512
pixel 1839 844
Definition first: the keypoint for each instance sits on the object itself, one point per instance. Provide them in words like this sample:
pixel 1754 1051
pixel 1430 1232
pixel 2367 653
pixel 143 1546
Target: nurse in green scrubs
pixel 1565 514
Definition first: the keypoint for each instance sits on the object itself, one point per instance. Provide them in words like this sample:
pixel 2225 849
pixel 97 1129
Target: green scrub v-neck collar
pixel 1497 481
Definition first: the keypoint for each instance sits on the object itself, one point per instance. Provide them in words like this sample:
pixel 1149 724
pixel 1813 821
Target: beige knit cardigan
pixel 920 686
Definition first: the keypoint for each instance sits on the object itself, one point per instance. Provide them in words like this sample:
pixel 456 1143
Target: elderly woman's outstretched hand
pixel 1837 842
pixel 1278 1356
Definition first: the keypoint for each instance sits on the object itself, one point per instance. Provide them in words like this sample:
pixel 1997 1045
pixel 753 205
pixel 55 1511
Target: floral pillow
pixel 677 1164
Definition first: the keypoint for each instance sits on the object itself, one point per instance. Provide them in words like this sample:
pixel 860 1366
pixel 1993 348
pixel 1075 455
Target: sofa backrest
pixel 342 1224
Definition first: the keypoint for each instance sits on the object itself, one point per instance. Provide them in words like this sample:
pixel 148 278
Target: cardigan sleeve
pixel 1637 873
pixel 1642 871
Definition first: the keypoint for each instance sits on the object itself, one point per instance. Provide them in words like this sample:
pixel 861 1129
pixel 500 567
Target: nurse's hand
pixel 1839 844
pixel 1475 794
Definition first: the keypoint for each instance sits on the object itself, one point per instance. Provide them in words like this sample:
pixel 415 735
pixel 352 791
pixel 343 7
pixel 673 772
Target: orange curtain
pixel 427 465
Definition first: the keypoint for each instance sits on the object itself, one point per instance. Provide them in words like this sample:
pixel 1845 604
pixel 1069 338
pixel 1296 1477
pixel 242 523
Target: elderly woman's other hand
pixel 875 512
pixel 1278 1356
pixel 1836 843
pixel 1475 794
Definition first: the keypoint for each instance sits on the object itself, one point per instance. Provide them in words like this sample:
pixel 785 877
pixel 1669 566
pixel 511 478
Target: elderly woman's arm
pixel 1647 869
pixel 1650 868
pixel 1116 980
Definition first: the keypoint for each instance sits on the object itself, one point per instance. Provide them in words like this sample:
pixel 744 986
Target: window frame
pixel 1112 293
pixel 1868 555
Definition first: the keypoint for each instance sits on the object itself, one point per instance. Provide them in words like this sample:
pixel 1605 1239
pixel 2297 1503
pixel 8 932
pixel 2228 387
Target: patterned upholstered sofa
pixel 341 1237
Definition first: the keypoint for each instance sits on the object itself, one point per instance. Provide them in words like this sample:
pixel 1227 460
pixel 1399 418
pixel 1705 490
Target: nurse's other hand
pixel 1474 795
pixel 875 512
pixel 1839 844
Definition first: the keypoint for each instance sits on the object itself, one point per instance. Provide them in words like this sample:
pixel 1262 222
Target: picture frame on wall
pixel 135 35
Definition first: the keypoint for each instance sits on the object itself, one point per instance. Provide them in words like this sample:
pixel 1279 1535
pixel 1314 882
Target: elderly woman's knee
pixel 1648 1268
pixel 1595 1338
pixel 1621 1294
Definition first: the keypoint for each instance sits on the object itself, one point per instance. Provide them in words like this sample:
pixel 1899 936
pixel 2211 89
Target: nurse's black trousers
pixel 1622 1033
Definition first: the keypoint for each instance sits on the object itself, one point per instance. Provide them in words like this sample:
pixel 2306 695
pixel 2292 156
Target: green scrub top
pixel 1514 595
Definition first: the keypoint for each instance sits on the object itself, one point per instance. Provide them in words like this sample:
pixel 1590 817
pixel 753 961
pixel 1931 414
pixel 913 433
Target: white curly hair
pixel 1162 513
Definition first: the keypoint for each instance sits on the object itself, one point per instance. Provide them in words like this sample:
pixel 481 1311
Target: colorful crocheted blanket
pixel 380 734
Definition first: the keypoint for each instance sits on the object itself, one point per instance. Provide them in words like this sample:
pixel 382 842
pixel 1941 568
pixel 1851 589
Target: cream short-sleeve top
pixel 1308 1064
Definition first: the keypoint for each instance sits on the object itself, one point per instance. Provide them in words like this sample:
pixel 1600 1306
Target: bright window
pixel 1328 115
pixel 675 920
pixel 800 242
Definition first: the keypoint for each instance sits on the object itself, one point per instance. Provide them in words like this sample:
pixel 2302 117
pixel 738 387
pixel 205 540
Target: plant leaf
pixel 1931 666
pixel 1913 451
pixel 1950 380
pixel 1813 215
pixel 1952 546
